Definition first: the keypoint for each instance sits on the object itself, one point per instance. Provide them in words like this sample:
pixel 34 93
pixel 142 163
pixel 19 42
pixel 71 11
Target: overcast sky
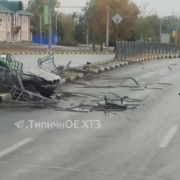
pixel 161 7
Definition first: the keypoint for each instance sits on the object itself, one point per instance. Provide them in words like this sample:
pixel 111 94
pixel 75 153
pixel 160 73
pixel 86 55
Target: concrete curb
pixel 122 64
pixel 34 53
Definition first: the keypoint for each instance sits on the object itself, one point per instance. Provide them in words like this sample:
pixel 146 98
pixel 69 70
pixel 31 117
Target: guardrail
pixel 126 50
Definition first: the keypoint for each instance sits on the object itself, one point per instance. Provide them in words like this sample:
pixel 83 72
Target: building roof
pixel 4 9
pixel 25 12
pixel 13 6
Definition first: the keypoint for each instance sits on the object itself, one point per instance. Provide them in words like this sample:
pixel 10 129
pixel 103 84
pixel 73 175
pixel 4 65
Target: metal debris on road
pixel 94 86
pixel 137 90
pixel 164 84
pixel 47 64
pixel 153 88
pixel 107 102
pixel 119 78
pixel 170 68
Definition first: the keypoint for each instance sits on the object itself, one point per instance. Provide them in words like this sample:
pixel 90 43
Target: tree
pixel 37 8
pixel 128 10
pixel 67 23
pixel 79 33
pixel 149 27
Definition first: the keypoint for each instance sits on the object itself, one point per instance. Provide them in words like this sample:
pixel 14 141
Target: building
pixel 15 25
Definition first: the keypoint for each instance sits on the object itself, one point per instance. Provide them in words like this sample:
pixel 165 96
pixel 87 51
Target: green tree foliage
pixel 147 27
pixel 37 8
pixel 80 33
pixel 128 10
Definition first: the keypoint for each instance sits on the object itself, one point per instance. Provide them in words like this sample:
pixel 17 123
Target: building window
pixel 18 20
pixel 2 18
pixel 8 18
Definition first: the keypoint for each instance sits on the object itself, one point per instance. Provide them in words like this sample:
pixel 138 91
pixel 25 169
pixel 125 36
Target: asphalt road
pixel 140 144
pixel 63 59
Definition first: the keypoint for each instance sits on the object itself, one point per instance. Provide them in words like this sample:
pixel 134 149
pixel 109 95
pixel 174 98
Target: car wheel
pixel 47 93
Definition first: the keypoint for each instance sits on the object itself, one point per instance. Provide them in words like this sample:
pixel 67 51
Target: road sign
pixel 117 18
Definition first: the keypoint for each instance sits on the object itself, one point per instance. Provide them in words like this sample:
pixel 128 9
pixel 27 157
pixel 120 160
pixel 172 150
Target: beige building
pixel 15 25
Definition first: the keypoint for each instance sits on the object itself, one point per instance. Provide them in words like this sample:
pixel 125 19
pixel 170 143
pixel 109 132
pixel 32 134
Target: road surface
pixel 63 59
pixel 140 144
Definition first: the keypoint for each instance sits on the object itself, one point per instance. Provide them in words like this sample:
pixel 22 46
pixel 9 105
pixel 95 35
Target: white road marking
pixel 173 129
pixel 14 147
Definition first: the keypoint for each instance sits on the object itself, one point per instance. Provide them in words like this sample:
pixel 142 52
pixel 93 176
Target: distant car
pixel 34 80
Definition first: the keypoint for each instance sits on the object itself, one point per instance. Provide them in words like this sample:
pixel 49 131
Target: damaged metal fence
pixel 47 64
pixel 126 50
pixel 11 82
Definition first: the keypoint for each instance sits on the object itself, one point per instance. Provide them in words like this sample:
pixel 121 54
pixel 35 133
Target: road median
pixel 113 64
pixel 100 67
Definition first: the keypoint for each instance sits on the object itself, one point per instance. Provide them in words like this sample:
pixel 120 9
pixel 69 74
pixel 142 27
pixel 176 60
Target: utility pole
pixel 50 28
pixel 56 22
pixel 94 27
pixel 40 29
pixel 107 31
pixel 177 28
pixel 87 37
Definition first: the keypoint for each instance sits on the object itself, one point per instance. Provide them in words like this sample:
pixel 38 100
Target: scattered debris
pixel 93 86
pixel 169 68
pixel 137 90
pixel 164 84
pixel 107 102
pixel 130 86
pixel 153 88
pixel 79 83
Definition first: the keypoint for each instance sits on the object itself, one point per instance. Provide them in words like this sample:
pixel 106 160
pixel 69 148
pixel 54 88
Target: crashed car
pixel 32 79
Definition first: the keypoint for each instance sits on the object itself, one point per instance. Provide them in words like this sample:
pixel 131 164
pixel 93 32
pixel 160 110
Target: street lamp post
pixel 56 22
pixel 160 29
pixel 50 28
pixel 94 49
pixel 40 23
pixel 107 31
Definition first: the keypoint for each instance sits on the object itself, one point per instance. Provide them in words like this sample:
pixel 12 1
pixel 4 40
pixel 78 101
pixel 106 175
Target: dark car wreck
pixel 30 79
